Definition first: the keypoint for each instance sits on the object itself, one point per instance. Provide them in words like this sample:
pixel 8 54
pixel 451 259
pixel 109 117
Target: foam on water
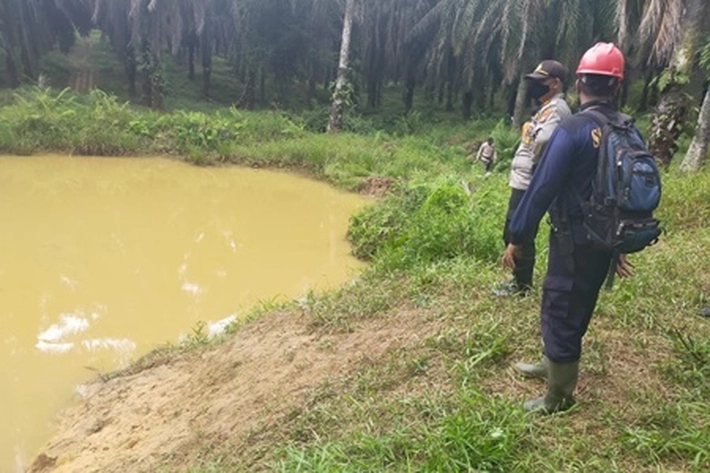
pixel 118 344
pixel 191 288
pixel 54 347
pixel 70 324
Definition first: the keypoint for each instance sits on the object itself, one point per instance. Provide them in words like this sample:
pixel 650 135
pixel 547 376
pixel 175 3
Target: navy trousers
pixel 575 274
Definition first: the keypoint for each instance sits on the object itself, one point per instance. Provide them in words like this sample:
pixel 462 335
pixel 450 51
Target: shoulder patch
pixel 526 133
pixel 544 115
pixel 596 137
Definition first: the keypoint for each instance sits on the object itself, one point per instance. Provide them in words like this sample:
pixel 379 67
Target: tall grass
pixel 39 120
pixel 430 220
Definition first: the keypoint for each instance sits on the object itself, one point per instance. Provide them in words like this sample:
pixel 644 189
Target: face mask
pixel 537 89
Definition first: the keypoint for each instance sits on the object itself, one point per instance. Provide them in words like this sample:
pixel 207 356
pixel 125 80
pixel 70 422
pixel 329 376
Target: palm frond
pixel 661 26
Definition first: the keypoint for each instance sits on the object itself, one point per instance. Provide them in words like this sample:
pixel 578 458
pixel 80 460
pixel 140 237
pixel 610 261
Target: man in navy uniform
pixel 546 85
pixel 576 270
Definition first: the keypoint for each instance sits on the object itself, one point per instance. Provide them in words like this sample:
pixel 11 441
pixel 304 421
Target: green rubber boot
pixel 530 370
pixel 561 381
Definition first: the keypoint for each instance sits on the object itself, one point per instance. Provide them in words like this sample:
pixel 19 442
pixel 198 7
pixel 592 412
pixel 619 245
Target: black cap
pixel 548 68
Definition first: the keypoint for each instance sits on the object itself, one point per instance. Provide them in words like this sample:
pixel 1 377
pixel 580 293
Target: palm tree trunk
pixel 373 80
pixel 624 95
pixel 480 96
pixel 520 97
pixel 262 87
pixel 668 121
pixel 410 84
pixel 191 58
pixel 25 43
pixel 467 104
pixel 643 103
pixel 450 95
pixel 672 111
pixel 339 96
pixel 206 53
pixel 247 99
pixel 9 43
pixel 146 75
pixel 158 87
pixel 131 67
pixel 311 87
pixel 698 150
pixel 12 72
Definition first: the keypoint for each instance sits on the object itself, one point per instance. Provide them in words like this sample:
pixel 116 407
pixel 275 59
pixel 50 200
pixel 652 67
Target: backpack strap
pixel 604 122
pixel 601 119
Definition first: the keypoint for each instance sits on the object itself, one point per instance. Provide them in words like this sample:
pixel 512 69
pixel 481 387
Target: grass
pixel 449 402
pixel 444 398
pixel 477 424
pixel 36 120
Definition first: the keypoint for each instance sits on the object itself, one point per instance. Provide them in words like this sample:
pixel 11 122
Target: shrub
pixel 428 221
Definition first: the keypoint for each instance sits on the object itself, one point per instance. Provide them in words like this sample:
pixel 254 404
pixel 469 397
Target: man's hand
pixel 624 268
pixel 511 252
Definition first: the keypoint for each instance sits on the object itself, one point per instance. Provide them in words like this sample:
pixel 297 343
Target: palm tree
pixel 8 39
pixel 481 43
pixel 388 50
pixel 111 17
pixel 142 31
pixel 668 36
pixel 340 95
pixel 30 28
pixel 697 153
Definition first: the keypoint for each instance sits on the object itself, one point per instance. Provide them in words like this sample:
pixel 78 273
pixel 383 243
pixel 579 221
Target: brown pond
pixel 103 259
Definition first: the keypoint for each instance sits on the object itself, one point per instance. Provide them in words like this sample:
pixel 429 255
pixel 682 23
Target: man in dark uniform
pixel 576 270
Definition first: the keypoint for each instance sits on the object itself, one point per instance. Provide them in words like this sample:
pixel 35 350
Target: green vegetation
pixel 467 56
pixel 429 221
pixel 44 120
pixel 448 400
pixel 646 362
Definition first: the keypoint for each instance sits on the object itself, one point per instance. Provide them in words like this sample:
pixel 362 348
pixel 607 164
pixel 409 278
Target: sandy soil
pixel 149 418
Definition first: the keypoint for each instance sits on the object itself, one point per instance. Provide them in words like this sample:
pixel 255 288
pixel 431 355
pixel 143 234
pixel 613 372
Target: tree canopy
pixel 464 53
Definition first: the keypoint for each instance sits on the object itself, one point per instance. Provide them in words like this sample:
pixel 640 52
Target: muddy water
pixel 102 259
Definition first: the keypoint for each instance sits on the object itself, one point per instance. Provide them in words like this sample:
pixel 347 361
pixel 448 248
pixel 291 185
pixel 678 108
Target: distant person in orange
pixel 487 154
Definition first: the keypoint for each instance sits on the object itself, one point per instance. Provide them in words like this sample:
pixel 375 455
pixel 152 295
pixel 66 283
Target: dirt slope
pixel 153 417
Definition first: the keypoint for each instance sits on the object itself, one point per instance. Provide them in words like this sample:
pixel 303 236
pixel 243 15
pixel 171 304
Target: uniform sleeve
pixel 545 128
pixel 547 182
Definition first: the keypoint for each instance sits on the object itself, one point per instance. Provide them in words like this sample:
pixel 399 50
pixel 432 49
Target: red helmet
pixel 604 59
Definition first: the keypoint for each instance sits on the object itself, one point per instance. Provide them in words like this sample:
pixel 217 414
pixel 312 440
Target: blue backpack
pixel 625 191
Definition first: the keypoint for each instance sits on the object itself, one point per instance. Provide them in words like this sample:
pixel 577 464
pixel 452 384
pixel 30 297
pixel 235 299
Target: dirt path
pixel 155 417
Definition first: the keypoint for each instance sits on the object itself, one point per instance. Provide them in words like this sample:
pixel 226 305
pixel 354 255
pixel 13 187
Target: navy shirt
pixel 565 173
